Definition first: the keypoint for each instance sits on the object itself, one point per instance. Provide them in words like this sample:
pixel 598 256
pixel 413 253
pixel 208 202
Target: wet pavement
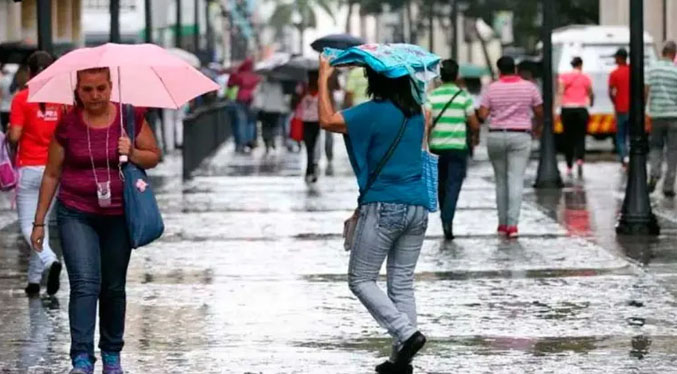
pixel 250 277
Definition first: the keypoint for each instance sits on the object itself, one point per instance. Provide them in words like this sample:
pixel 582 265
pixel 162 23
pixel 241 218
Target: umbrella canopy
pixel 270 63
pixel 186 56
pixel 337 41
pixel 148 76
pixel 296 69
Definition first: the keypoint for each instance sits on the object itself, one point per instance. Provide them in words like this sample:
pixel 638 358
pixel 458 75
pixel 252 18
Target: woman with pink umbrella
pixel 85 159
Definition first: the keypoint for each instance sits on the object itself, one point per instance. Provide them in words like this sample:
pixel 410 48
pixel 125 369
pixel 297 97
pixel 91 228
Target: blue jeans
pixel 622 134
pixel 395 232
pixel 244 124
pixel 452 168
pixel 30 178
pixel 96 251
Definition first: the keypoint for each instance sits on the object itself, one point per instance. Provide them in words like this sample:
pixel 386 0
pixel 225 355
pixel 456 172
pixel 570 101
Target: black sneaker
pixel 33 289
pixel 652 184
pixel 388 367
pixel 448 231
pixel 669 194
pixel 53 278
pixel 409 349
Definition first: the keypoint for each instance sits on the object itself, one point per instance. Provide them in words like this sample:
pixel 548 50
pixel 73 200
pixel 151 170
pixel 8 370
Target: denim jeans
pixel 509 155
pixel 663 139
pixel 27 193
pixel 622 134
pixel 96 251
pixel 244 124
pixel 451 168
pixel 395 232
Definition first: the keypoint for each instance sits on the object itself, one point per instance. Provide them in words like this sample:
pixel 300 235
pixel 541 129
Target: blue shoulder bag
pixel 144 221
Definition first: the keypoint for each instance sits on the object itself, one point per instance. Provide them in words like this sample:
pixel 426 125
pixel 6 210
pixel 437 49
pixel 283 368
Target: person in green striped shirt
pixel 449 139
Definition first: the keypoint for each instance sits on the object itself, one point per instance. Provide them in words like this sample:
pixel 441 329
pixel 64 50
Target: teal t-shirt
pixel 372 128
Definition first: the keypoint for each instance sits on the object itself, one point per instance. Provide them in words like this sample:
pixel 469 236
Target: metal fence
pixel 204 131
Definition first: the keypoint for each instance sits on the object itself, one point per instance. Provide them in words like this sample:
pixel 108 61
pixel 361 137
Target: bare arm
pixel 14 134
pixel 330 120
pixel 145 153
pixel 50 182
pixel 538 120
pixel 484 113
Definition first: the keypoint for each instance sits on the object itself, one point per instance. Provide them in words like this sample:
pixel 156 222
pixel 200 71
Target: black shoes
pixel 652 184
pixel 32 290
pixel 448 231
pixel 669 194
pixel 388 367
pixel 409 349
pixel 53 278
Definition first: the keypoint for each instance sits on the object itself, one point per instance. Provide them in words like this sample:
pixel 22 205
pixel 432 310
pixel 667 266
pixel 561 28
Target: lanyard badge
pixel 103 194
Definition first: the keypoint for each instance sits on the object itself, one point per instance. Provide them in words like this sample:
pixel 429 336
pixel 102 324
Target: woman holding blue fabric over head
pixel 84 161
pixel 384 138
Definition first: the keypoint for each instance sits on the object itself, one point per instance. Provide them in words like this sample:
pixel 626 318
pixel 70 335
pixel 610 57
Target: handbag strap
pixel 439 116
pixel 130 122
pixel 374 175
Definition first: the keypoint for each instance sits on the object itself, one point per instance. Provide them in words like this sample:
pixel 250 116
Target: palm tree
pixel 301 14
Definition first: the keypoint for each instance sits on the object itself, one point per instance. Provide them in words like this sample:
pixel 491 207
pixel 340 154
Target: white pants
pixel 28 191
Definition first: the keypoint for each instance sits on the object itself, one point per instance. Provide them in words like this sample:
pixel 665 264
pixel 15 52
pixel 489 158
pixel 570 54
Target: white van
pixel 596 45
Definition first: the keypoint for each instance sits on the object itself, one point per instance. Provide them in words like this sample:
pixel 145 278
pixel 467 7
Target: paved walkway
pixel 251 278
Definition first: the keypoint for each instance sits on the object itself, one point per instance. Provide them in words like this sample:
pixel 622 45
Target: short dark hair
pixel 397 90
pixel 621 53
pixel 449 71
pixel 669 48
pixel 506 65
pixel 39 61
pixel 576 62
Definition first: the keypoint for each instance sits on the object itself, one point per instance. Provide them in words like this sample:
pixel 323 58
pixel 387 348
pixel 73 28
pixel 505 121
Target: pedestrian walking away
pixel 619 92
pixel 31 128
pixel 271 104
pixel 6 96
pixel 84 163
pixel 510 105
pixel 661 92
pixel 452 111
pixel 308 113
pixel 242 84
pixel 575 97
pixel 384 138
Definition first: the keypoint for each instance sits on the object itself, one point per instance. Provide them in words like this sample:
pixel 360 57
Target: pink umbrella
pixel 146 76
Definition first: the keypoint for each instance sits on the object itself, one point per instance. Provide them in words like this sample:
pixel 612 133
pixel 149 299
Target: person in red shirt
pixel 31 128
pixel 619 92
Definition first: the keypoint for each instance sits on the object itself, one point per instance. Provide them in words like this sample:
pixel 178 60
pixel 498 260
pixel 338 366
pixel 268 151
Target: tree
pixel 300 14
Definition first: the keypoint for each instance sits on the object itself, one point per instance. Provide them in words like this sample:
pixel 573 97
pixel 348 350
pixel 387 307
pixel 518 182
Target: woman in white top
pixel 308 113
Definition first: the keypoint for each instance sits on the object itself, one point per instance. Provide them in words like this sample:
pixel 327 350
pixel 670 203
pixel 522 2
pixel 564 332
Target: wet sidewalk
pixel 250 277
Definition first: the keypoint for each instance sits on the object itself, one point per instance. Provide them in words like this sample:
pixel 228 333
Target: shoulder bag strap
pixel 130 122
pixel 439 116
pixel 384 160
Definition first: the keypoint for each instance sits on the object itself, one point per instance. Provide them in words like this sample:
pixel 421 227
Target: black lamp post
pixel 548 173
pixel 148 5
pixel 44 14
pixel 114 7
pixel 636 216
pixel 179 36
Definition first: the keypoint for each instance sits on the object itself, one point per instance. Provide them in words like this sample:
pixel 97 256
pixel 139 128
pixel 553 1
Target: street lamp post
pixel 177 41
pixel 148 6
pixel 454 30
pixel 636 216
pixel 44 10
pixel 209 33
pixel 196 26
pixel 548 173
pixel 114 7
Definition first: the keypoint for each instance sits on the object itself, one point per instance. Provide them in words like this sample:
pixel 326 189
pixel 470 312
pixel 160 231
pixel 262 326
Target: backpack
pixel 9 175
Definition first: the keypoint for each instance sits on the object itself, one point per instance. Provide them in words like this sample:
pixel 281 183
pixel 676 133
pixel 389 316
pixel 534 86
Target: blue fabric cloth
pixel 622 134
pixel 372 128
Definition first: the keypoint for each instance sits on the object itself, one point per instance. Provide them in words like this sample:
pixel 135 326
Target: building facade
pixel 659 17
pixel 18 22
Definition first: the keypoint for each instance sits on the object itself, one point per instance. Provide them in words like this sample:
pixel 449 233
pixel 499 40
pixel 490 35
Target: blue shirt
pixel 372 128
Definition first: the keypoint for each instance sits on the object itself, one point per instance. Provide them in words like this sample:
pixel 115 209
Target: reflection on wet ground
pixel 251 278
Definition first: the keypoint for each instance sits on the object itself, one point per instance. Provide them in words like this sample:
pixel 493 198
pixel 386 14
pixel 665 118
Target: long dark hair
pixel 397 90
pixel 37 62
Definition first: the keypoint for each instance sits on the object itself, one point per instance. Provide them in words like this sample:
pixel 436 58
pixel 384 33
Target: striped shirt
pixel 450 130
pixel 510 101
pixel 662 81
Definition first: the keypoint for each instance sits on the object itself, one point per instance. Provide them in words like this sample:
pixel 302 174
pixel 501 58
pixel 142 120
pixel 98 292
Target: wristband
pixel 38 224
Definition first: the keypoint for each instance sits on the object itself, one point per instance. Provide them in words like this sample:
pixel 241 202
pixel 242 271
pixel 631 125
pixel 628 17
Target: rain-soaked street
pixel 250 277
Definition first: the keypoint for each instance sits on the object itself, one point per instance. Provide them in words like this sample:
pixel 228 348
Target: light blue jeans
pixel 30 178
pixel 509 154
pixel 395 232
